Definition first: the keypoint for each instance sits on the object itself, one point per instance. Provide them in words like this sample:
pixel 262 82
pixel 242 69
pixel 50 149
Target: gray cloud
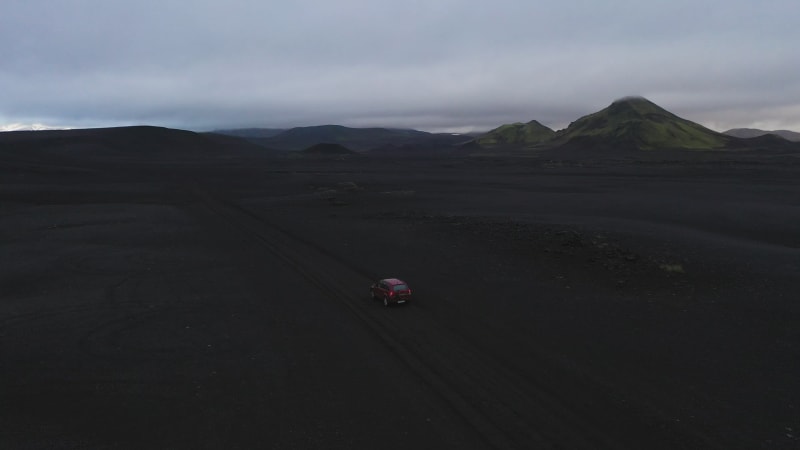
pixel 420 64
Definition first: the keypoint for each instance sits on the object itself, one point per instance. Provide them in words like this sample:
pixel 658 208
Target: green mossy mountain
pixel 635 122
pixel 517 134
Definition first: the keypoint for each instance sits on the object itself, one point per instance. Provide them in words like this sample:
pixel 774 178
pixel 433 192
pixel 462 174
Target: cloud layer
pixel 420 64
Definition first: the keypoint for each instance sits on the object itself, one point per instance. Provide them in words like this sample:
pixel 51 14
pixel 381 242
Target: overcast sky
pixel 430 64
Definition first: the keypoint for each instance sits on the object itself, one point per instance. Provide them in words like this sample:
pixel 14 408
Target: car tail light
pixel 391 293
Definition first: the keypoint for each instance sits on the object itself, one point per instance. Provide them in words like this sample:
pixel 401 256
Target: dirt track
pixel 223 304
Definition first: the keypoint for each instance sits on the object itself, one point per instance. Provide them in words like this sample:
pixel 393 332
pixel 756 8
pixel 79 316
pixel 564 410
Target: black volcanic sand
pixel 224 304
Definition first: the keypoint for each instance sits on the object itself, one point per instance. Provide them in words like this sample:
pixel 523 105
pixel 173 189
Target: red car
pixel 391 291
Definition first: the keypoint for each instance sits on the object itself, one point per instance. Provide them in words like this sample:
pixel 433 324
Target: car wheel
pixel 385 301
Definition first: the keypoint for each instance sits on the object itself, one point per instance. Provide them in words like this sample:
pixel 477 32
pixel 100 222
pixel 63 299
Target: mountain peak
pixel 637 106
pixel 631 99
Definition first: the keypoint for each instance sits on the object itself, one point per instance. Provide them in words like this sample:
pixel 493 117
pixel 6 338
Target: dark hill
pixel 328 149
pixel 516 134
pixel 753 132
pixel 765 143
pixel 637 123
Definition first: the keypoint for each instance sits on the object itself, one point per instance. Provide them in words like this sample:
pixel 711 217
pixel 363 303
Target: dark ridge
pixel 134 142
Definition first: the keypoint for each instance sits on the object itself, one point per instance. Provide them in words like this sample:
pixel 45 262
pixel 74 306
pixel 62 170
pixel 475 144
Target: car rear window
pixel 400 287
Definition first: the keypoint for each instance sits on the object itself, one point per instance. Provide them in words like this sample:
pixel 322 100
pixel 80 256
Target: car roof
pixel 393 281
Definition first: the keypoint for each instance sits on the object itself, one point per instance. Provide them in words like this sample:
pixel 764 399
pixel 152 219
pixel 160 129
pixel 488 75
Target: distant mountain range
pixel 631 124
pixel 356 139
pixel 747 133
